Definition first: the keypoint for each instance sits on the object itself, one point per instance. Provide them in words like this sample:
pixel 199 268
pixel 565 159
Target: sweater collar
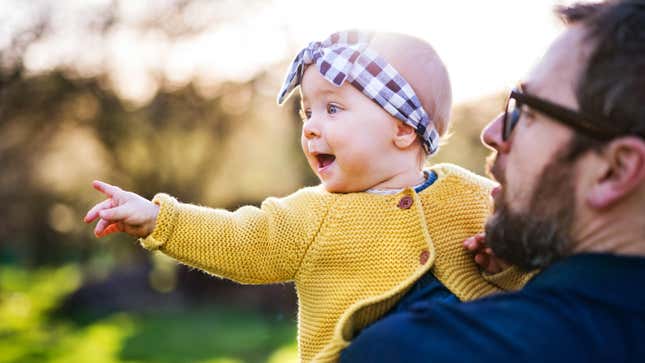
pixel 430 178
pixel 612 278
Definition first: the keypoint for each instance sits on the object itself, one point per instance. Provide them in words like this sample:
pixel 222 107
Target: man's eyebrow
pixel 524 87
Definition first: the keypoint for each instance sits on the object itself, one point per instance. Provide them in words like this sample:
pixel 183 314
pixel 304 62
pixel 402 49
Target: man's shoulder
pixel 528 326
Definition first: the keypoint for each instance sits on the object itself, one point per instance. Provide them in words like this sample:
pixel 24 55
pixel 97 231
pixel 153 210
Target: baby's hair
pixel 421 66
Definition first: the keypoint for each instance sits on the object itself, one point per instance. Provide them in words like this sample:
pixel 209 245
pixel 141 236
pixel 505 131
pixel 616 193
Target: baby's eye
pixel 331 108
pixel 305 114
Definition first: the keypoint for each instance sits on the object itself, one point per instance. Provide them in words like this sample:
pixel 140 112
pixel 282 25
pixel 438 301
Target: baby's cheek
pixel 303 143
pixel 357 173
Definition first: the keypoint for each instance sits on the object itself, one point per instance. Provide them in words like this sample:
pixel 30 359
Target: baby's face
pixel 346 137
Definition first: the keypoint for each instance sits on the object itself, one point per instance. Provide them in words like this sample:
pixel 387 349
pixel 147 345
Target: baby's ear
pixel 405 135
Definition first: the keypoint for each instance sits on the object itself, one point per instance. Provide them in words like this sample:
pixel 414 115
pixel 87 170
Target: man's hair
pixel 612 84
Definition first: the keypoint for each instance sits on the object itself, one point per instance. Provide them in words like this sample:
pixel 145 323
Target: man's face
pixel 536 202
pixel 540 234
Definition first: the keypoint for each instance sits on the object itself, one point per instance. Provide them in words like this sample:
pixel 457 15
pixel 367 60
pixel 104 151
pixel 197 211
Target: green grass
pixel 196 336
pixel 213 334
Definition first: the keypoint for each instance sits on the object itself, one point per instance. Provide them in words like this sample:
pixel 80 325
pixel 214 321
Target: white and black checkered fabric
pixel 345 56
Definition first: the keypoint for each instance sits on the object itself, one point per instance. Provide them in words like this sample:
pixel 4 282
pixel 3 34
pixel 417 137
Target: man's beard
pixel 537 237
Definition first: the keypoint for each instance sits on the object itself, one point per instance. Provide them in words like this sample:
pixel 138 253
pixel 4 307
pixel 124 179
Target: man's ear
pixel 405 135
pixel 624 172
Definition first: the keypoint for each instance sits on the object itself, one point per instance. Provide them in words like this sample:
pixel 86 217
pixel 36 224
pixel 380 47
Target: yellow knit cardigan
pixel 351 256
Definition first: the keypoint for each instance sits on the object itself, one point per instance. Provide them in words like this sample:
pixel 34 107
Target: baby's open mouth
pixel 324 160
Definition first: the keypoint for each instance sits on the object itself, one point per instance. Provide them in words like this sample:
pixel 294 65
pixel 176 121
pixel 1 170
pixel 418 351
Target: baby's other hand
pixel 484 255
pixel 122 211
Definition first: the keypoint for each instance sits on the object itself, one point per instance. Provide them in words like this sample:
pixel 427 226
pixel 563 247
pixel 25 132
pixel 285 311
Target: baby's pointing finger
pixel 105 188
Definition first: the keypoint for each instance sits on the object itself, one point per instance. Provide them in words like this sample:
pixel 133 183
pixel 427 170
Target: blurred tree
pixel 463 145
pixel 224 145
pixel 60 130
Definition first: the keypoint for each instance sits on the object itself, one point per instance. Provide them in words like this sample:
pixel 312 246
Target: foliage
pixel 224 145
pixel 31 332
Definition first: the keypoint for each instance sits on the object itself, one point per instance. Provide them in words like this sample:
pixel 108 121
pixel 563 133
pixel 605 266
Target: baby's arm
pixel 122 211
pixel 250 245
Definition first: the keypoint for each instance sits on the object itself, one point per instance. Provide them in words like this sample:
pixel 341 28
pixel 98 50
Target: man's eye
pixel 528 112
pixel 332 108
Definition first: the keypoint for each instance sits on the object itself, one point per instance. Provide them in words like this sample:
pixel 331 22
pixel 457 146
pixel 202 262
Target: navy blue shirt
pixel 586 308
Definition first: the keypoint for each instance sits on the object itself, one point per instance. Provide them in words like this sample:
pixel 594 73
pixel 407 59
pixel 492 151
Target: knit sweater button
pixel 423 257
pixel 406 202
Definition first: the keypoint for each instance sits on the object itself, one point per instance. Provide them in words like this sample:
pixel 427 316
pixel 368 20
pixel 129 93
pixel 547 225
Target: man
pixel 570 160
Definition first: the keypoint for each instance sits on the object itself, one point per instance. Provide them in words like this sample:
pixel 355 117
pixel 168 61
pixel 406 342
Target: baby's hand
pixel 123 211
pixel 484 256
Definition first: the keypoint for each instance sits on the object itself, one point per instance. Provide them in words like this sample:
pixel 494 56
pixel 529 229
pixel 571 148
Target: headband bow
pixel 346 56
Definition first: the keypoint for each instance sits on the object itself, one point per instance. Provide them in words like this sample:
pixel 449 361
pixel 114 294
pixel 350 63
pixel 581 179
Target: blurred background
pixel 179 96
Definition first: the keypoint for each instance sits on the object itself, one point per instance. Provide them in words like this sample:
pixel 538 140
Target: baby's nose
pixel 309 130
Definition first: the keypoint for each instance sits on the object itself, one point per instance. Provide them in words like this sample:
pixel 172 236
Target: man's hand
pixel 484 256
pixel 123 211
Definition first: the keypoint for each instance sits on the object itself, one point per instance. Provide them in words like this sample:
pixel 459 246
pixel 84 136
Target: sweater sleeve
pixel 510 279
pixel 249 245
pixel 470 196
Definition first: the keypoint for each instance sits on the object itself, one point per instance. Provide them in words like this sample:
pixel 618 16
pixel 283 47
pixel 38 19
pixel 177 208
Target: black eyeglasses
pixel 567 116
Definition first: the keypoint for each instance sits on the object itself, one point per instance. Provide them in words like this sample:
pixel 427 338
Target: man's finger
pixel 93 213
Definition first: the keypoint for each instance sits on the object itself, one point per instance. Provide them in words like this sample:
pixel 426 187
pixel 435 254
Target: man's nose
pixel 492 135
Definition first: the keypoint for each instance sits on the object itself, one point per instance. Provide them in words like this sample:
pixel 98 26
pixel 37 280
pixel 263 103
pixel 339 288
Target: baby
pixel 374 107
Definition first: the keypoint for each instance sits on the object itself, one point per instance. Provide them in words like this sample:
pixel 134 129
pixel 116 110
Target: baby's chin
pixel 341 188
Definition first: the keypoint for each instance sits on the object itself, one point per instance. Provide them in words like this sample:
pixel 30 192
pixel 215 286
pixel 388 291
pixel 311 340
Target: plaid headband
pixel 345 56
